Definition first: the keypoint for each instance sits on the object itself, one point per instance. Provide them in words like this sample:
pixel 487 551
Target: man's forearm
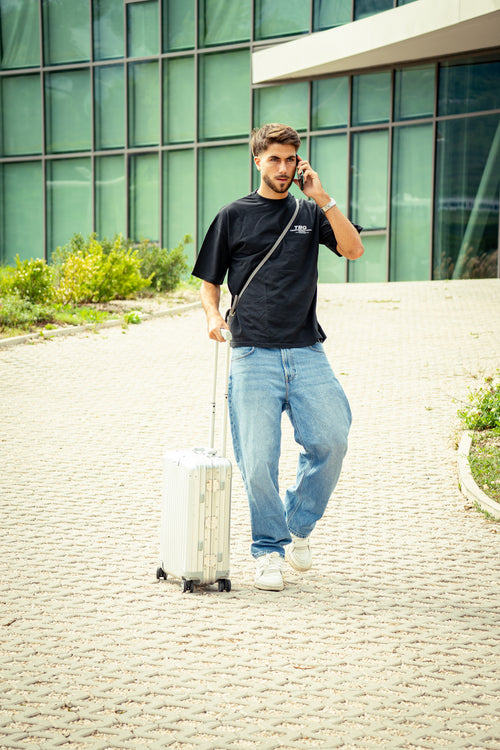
pixel 210 299
pixel 348 240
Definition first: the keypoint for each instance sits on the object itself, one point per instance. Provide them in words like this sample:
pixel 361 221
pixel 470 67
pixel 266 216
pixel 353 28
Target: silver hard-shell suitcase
pixel 196 508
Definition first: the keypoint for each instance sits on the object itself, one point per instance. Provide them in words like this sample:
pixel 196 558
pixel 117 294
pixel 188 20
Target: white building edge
pixel 422 30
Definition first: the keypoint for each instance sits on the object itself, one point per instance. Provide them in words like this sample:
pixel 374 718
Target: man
pixel 278 363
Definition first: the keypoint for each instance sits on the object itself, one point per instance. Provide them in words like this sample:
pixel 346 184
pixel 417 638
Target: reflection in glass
pixel 411 203
pixel 467 198
pixel 110 196
pixel 143 104
pixel 224 101
pixel 370 179
pixel 69 200
pixel 21 115
pixel 68 111
pixel 144 189
pixel 21 196
pixel 221 22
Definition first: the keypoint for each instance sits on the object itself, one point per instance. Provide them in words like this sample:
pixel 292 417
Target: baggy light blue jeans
pixel 263 383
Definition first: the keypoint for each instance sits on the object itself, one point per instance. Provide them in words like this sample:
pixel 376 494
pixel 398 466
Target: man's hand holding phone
pixel 308 180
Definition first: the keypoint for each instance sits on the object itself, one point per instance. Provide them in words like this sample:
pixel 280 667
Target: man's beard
pixel 277 187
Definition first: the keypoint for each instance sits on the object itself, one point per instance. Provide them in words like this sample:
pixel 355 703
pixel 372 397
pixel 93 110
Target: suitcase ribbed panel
pixel 195 519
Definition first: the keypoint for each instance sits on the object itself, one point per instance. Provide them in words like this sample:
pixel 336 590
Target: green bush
pixel 91 272
pixel 6 280
pixel 21 313
pixel 33 280
pixel 484 410
pixel 164 267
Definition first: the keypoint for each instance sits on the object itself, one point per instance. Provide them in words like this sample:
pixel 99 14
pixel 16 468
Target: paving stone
pixel 391 640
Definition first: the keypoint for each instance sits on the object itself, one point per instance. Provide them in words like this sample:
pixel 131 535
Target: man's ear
pixel 257 162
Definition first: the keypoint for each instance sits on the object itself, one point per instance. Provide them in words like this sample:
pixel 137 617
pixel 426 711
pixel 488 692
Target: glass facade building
pixel 134 117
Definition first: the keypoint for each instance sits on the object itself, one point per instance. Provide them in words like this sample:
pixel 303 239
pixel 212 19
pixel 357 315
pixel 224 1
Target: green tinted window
pixel 144 198
pixel 371 98
pixel 287 104
pixel 143 104
pixel 21 211
pixel 414 93
pixel 20 104
pixel 178 25
pixel 411 203
pixel 179 119
pixel 66 31
pixel 372 266
pixel 468 88
pixel 19 34
pixel 110 196
pixel 364 8
pixel 466 198
pixel 223 177
pixel 329 158
pixel 221 22
pixel 281 18
pixel 108 29
pixel 109 106
pixel 179 199
pixel 143 29
pixel 224 104
pixel 330 13
pixel 330 103
pixel 369 180
pixel 69 200
pixel 67 107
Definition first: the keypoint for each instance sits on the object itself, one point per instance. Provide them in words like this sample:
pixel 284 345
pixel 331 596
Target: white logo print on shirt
pixel 300 229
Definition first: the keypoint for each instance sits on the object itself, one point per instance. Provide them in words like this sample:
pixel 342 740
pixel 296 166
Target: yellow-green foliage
pixel 92 274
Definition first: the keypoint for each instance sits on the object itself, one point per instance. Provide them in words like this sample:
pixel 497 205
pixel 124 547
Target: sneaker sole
pixel 294 565
pixel 264 587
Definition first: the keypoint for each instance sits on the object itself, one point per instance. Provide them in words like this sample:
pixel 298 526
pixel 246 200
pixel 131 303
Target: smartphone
pixel 300 176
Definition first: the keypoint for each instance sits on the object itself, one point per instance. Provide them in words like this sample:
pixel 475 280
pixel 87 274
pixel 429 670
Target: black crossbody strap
pixel 238 297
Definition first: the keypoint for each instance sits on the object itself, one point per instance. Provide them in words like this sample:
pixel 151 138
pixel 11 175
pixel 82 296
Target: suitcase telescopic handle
pixel 227 336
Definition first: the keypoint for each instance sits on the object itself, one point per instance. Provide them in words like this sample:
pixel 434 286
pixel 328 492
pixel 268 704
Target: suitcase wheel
pixel 160 573
pixel 224 584
pixel 187 586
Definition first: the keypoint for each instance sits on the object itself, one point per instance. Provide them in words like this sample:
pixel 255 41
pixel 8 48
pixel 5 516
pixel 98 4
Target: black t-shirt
pixel 278 308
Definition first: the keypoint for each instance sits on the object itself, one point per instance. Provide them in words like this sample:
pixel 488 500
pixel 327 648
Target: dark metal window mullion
pixel 434 163
pixel 44 138
pixel 251 49
pixel 93 186
pixel 196 125
pixel 128 202
pixel 349 164
pixel 389 178
pixel 160 134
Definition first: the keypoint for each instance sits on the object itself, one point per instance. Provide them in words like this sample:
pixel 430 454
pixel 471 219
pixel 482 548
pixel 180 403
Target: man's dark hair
pixel 273 132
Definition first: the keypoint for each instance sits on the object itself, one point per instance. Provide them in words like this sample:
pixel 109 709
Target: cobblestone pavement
pixel 391 640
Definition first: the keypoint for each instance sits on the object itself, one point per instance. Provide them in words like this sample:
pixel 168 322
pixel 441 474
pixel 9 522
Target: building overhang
pixel 421 30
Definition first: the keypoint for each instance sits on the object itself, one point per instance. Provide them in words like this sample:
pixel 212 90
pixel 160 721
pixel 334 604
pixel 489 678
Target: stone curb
pixel 466 481
pixel 45 334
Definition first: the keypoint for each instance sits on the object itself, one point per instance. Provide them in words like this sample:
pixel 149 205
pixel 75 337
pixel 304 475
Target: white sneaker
pixel 269 575
pixel 298 553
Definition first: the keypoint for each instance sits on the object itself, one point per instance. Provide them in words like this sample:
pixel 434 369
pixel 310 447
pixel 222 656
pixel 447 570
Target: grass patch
pixel 19 317
pixel 484 460
pixel 482 417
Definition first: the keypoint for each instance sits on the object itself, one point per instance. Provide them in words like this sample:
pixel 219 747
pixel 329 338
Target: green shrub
pixel 33 280
pixel 21 313
pixel 484 410
pixel 164 267
pixel 6 280
pixel 90 272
